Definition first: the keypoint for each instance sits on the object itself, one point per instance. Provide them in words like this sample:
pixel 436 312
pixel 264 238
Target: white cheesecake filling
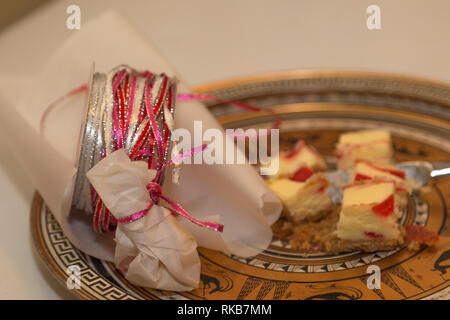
pixel 286 189
pixel 305 157
pixel 301 200
pixel 374 145
pixel 370 171
pixel 367 193
pixel 364 136
pixel 358 221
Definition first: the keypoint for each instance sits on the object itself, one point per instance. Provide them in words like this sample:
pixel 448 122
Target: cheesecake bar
pixel 366 170
pixel 302 155
pixel 373 145
pixel 304 199
pixel 368 219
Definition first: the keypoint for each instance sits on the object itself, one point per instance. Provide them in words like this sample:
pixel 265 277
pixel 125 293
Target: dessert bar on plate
pixel 301 190
pixel 373 145
pixel 371 204
pixel 366 170
pixel 307 200
pixel 302 155
pixel 368 219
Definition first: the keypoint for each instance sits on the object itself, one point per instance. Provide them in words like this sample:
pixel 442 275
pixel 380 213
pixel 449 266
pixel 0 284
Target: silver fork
pixel 423 171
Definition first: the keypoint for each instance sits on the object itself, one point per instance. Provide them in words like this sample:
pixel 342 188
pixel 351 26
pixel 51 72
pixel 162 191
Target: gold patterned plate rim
pixel 321 97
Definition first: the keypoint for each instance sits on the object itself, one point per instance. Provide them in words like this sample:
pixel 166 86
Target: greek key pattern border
pixel 65 255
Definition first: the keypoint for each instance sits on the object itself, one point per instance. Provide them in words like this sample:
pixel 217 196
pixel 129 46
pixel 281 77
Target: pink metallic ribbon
pixel 181 97
pixel 178 157
pixel 240 104
pixel 205 97
pixel 51 107
pixel 154 187
pixel 155 192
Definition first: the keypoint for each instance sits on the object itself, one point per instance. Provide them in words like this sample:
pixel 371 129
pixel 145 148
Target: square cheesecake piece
pixel 305 200
pixel 368 219
pixel 373 145
pixel 302 155
pixel 367 170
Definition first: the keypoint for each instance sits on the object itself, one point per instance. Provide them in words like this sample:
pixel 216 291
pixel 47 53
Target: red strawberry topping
pixel 373 235
pixel 360 176
pixel 385 208
pixel 302 174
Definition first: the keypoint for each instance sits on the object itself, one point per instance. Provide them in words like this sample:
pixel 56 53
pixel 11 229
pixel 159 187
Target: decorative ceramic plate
pixel 315 106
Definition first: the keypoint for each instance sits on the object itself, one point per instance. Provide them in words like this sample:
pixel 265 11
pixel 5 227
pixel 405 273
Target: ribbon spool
pixel 130 110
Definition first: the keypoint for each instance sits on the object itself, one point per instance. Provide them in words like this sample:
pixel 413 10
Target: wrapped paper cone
pixel 53 176
pixel 233 194
pixel 155 251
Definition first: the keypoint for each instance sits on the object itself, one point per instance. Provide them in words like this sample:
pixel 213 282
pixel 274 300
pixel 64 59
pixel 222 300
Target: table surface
pixel 212 40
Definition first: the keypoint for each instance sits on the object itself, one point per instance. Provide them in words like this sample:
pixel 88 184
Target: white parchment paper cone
pixel 70 67
pixel 154 251
pixel 53 176
pixel 29 97
pixel 227 194
pixel 234 194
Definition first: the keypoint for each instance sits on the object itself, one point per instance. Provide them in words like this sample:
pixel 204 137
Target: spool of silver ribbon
pixel 99 138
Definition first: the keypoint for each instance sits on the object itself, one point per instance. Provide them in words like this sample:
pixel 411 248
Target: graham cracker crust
pixel 317 217
pixel 317 237
pixel 308 236
pixel 336 245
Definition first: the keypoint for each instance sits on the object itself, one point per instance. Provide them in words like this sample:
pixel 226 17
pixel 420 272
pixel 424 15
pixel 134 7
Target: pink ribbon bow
pixel 155 193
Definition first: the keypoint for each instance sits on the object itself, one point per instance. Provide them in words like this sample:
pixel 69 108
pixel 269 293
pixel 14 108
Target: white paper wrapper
pixel 233 194
pixel 154 251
